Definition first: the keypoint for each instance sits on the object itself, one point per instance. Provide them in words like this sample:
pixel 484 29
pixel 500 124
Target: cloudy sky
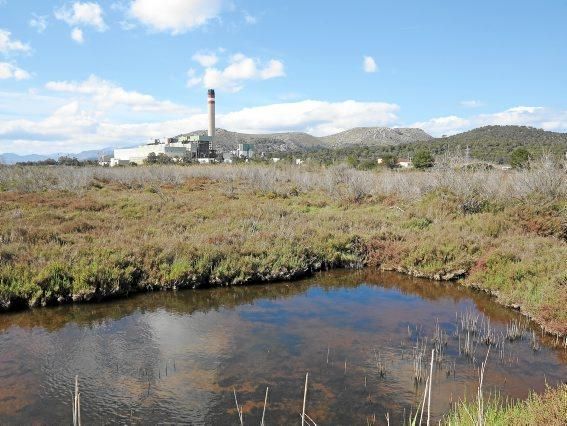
pixel 86 75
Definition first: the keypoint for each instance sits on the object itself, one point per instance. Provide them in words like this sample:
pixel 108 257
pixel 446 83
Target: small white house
pixel 275 159
pixel 299 161
pixel 405 163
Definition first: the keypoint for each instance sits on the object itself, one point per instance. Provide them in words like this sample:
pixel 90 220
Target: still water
pixel 179 357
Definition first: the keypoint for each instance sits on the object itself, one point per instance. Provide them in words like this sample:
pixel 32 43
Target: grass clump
pixel 550 408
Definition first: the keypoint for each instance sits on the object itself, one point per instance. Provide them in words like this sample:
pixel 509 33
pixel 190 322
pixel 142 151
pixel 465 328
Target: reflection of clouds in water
pixel 176 356
pixel 198 344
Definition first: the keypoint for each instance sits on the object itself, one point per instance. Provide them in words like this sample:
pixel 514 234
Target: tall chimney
pixel 212 113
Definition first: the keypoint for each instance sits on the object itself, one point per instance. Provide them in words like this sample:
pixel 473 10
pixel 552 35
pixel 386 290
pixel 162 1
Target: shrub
pixel 423 159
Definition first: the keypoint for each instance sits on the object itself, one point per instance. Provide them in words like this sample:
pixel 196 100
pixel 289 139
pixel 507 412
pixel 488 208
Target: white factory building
pixel 199 148
pixel 139 154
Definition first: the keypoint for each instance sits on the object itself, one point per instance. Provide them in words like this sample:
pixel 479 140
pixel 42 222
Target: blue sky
pixel 85 75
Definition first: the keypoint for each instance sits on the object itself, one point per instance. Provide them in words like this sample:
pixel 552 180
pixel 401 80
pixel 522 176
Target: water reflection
pixel 176 357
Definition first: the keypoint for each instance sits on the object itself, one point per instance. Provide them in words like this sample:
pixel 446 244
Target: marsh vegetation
pixel 80 234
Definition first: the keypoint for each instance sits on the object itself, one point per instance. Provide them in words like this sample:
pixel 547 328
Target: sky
pixel 77 75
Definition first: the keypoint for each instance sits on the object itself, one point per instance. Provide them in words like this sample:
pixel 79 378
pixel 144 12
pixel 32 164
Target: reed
pixel 514 330
pixel 264 410
pixel 238 409
pixel 77 404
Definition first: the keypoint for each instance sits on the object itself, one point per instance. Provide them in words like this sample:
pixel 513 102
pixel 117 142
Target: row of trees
pixel 366 158
pixel 61 161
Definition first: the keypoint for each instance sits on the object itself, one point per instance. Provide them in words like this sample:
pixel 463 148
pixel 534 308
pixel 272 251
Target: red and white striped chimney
pixel 212 113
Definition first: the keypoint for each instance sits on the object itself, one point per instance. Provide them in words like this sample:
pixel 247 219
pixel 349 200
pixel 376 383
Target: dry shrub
pixel 544 179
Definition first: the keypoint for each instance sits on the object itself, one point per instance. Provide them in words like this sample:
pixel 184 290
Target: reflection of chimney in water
pixel 211 102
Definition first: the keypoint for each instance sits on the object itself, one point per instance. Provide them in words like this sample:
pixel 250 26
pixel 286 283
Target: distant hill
pixel 10 158
pixel 226 140
pixel 496 143
pixel 295 141
pixel 375 136
pixel 491 143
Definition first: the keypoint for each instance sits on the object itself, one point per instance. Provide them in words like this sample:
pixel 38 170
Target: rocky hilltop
pixel 375 136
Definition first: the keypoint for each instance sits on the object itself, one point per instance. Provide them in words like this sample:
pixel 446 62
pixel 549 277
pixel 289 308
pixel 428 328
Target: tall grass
pixel 547 409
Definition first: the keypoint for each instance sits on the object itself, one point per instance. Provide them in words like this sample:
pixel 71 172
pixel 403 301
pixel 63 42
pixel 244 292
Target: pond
pixel 179 357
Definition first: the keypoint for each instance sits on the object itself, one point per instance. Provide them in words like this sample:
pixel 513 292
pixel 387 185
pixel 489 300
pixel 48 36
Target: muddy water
pixel 176 357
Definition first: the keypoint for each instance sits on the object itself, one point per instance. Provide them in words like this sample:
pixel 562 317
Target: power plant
pixel 183 148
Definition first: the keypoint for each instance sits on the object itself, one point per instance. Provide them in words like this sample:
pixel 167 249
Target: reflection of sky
pixel 167 357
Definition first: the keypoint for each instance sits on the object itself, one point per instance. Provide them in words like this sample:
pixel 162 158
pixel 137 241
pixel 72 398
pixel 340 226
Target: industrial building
pixel 244 150
pixel 139 154
pixel 199 148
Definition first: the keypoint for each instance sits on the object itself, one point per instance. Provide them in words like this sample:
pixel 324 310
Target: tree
pixel 389 161
pixel 520 158
pixel 164 159
pixel 68 161
pixel 423 159
pixel 151 158
pixel 352 161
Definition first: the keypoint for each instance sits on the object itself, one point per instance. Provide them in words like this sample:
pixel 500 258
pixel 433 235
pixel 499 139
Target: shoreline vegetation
pixel 550 408
pixel 78 234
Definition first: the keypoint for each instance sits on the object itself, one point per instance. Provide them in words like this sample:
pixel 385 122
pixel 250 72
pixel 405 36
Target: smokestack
pixel 211 113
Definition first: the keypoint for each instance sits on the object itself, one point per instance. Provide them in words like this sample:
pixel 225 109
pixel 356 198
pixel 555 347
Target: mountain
pixel 295 141
pixel 496 143
pixel 10 158
pixel 375 136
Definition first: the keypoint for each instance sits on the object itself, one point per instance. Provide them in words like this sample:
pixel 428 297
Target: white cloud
pixel 38 22
pixel 369 64
pixel 192 79
pixel 176 16
pixel 472 104
pixel 443 125
pixel 7 44
pixel 77 35
pixel 206 59
pixel 250 19
pixel 105 95
pixel 240 68
pixel 272 70
pixel 312 116
pixel 82 14
pixel 10 71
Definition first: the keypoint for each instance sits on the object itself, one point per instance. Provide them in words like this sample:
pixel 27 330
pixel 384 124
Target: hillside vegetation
pixel 80 234
pixel 493 144
pixel 496 143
